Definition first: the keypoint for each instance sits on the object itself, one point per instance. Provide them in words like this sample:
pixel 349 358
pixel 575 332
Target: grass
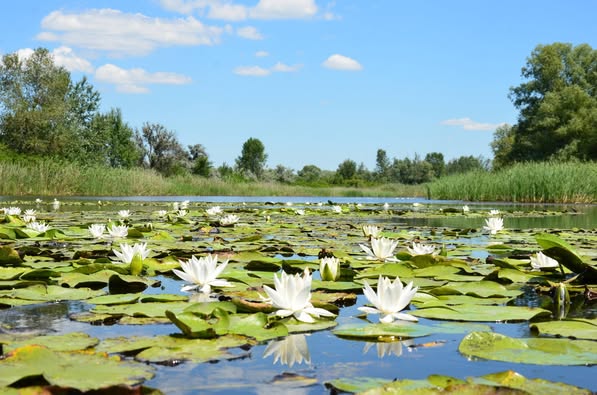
pixel 45 177
pixel 544 182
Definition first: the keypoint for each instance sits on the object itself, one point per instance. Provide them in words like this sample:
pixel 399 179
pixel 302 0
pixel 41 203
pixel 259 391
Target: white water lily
pixel 202 273
pixel 215 210
pixel 293 349
pixel 292 296
pixel 386 206
pixel 289 203
pixel 541 261
pixel 124 214
pixel 416 204
pixel 175 206
pixel 56 204
pixel 38 201
pixel 371 231
pixel 128 252
pixel 184 204
pixel 229 219
pixel 118 231
pixel 29 215
pixel 299 212
pixel 181 213
pixel 12 211
pixel 96 230
pixel 494 213
pixel 337 209
pixel 382 249
pixel 494 224
pixel 421 249
pixel 465 209
pixel 161 213
pixel 329 269
pixel 38 226
pixel 391 298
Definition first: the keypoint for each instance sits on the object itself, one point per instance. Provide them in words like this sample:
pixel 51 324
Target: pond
pixel 471 273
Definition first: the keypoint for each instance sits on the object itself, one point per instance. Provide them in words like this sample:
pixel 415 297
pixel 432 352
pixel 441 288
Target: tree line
pixel 44 113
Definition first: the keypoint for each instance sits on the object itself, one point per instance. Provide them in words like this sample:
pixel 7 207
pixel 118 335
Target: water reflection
pixel 389 348
pixel 291 350
pixel 28 319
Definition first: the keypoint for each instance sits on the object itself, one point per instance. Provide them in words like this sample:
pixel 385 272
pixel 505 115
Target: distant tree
pixel 503 141
pixel 347 170
pixel 557 104
pixel 309 174
pixel 465 164
pixel 436 160
pixel 225 171
pixel 283 174
pixel 252 158
pixel 382 165
pixel 112 140
pixel 411 171
pixel 363 173
pixel 161 149
pixel 200 164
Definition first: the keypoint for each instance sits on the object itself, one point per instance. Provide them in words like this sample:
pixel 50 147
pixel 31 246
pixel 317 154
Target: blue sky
pixel 316 81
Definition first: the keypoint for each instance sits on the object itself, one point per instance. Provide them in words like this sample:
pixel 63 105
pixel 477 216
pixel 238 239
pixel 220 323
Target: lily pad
pixel 374 331
pixel 538 351
pixel 68 342
pixel 577 329
pixel 481 313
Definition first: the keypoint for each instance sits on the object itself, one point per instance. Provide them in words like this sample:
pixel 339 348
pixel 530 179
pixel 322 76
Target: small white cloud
pixel 252 71
pixel 123 33
pixel 283 68
pixel 249 32
pixel 341 62
pixel 228 12
pixel 284 9
pixel 24 53
pixel 63 56
pixel 261 54
pixel 469 124
pixel 136 80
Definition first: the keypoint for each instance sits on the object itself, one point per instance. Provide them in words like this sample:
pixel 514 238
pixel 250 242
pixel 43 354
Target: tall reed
pixel 544 182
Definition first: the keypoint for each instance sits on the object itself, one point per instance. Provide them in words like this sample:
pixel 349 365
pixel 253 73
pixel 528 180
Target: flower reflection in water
pixel 290 350
pixel 389 348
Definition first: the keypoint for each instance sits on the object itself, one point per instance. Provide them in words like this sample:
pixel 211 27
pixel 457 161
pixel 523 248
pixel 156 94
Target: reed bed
pixel 545 182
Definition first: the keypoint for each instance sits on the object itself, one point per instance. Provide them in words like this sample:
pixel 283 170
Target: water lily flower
pixel 292 296
pixel 128 252
pixel 494 224
pixel 202 272
pixel 289 203
pixel 29 216
pixel 97 230
pixel 38 226
pixel 38 201
pixel 541 261
pixel 421 249
pixel 161 213
pixel 290 350
pixel 175 206
pixel 386 206
pixel 124 214
pixel 184 204
pixel 215 210
pixel 465 209
pixel 390 299
pixel 329 269
pixel 371 231
pixel 12 211
pixel 299 212
pixel 382 249
pixel 229 219
pixel 494 213
pixel 181 213
pixel 416 204
pixel 337 209
pixel 56 204
pixel 118 231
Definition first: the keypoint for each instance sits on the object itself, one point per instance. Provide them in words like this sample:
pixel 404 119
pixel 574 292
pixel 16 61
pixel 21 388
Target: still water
pixel 328 357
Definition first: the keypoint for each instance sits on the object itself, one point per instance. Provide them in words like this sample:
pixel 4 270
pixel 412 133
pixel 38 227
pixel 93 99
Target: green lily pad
pixel 156 309
pixel 538 351
pixel 483 289
pixel 54 293
pixel 68 342
pixel 399 330
pixel 82 371
pixel 481 313
pixel 561 251
pixel 577 329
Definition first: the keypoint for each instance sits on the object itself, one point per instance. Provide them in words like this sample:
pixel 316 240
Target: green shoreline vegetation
pixel 55 141
pixel 532 183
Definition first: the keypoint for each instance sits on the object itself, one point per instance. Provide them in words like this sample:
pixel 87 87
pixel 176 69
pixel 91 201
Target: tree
pixel 41 110
pixel 283 174
pixel 112 140
pixel 557 104
pixel 201 165
pixel 252 158
pixel 411 171
pixel 382 165
pixel 309 174
pixel 503 141
pixel 436 160
pixel 465 164
pixel 161 150
pixel 347 170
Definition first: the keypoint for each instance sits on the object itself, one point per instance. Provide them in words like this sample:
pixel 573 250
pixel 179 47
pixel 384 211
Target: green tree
pixel 503 141
pixel 161 150
pixel 557 104
pixel 112 140
pixel 436 160
pixel 201 165
pixel 252 158
pixel 309 174
pixel 347 170
pixel 382 165
pixel 465 164
pixel 411 171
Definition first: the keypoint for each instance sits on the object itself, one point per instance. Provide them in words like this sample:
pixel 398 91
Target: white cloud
pixel 283 68
pixel 261 54
pixel 227 10
pixel 249 32
pixel 63 56
pixel 136 80
pixel 123 33
pixel 252 71
pixel 469 124
pixel 341 62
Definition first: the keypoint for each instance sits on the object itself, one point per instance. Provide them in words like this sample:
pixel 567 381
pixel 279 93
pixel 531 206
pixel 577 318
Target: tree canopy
pixel 252 158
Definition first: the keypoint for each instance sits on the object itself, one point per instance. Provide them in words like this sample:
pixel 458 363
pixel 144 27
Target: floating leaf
pixel 399 330
pixel 577 329
pixel 481 313
pixel 67 342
